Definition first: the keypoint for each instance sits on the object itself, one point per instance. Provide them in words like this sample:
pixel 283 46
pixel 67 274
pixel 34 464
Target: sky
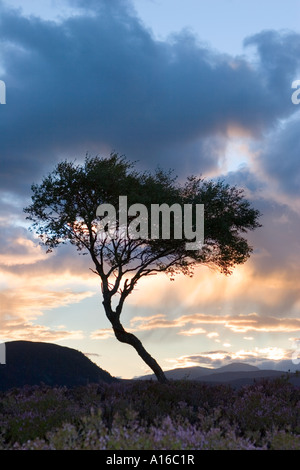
pixel 201 87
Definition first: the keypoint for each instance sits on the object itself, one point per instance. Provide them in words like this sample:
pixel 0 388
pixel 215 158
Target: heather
pixel 180 415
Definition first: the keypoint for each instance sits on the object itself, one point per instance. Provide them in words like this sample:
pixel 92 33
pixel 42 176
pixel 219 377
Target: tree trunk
pixel 129 338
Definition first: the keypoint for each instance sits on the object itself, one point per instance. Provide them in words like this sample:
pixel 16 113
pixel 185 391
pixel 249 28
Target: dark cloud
pixel 210 358
pixel 280 157
pixel 278 59
pixel 276 246
pixel 99 81
pixel 276 256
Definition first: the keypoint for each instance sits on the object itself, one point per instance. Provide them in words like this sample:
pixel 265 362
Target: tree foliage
pixel 64 210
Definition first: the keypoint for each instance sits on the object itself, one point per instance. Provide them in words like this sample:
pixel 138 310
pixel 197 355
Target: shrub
pixel 148 415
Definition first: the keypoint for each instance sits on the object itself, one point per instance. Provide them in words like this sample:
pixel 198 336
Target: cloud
pixel 31 298
pixel 25 299
pixel 103 333
pixel 241 323
pixel 26 331
pixel 264 324
pixel 270 357
pixel 213 334
pixel 152 322
pixel 279 59
pixel 92 354
pixel 99 81
pixel 280 158
pixel 210 358
pixel 192 332
pixel 16 248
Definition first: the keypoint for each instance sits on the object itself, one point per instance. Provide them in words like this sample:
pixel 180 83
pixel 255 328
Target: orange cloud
pixel 103 333
pixel 18 330
pixel 26 302
pixel 262 323
pixel 21 251
pixel 237 323
pixel 192 332
pixel 151 322
pixel 30 303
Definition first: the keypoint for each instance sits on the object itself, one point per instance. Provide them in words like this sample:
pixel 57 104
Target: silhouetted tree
pixel 64 209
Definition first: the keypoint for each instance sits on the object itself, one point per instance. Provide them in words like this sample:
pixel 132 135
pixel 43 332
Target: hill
pixel 195 373
pixel 235 367
pixel 238 379
pixel 190 373
pixel 236 374
pixel 33 363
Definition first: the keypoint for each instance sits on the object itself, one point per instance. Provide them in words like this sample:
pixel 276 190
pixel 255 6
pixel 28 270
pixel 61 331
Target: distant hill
pixel 33 363
pixel 235 367
pixel 236 374
pixel 236 378
pixel 190 373
pixel 195 373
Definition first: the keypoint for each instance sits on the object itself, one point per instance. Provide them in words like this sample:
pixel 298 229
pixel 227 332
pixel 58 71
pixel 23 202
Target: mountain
pixel 190 373
pixel 236 375
pixel 235 367
pixel 33 363
pixel 240 378
pixel 195 373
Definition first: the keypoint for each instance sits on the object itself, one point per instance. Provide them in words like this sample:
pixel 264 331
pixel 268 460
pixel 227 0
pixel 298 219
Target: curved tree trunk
pixel 129 338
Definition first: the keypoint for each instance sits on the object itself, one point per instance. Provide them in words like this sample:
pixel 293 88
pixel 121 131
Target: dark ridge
pixel 196 372
pixel 35 363
pixel 236 374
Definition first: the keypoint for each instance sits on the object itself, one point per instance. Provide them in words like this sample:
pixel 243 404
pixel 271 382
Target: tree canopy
pixel 64 209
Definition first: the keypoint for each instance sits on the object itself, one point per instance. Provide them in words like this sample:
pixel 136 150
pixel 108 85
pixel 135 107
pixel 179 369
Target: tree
pixel 65 206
